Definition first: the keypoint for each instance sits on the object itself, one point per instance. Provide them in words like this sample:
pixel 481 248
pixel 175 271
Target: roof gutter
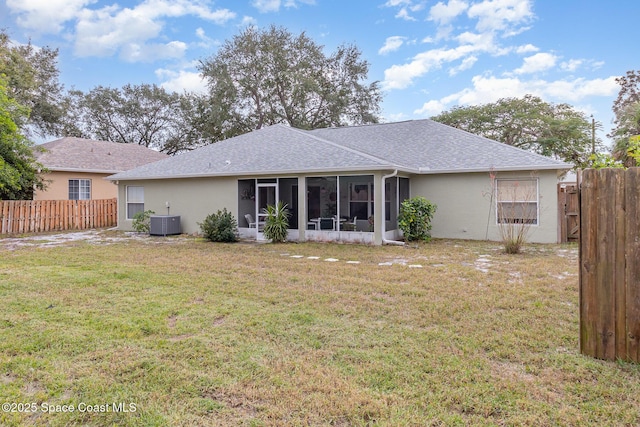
pixel 428 171
pixel 383 222
pixel 65 169
pixel 273 173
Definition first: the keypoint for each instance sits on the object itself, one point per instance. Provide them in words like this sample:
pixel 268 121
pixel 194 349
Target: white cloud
pixel 471 45
pixel 182 80
pixel 501 15
pixel 431 108
pixel 406 7
pixel 248 21
pixel 266 6
pixel 401 76
pixel 404 14
pixel 393 3
pixel 571 65
pixel 494 19
pixel 464 65
pixel 394 117
pixel 445 13
pixel 527 48
pixel 536 63
pixel 488 89
pixel 580 88
pixel 46 16
pixel 133 52
pixel 205 42
pixel 481 42
pixel 112 29
pixel 391 44
pixel 107 31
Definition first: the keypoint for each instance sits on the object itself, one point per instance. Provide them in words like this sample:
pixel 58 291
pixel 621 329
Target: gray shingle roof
pixel 420 146
pixel 78 154
pixel 430 147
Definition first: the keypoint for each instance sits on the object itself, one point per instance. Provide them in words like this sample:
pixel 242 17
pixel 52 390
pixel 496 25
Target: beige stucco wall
pixel 465 207
pixel 191 198
pixel 58 188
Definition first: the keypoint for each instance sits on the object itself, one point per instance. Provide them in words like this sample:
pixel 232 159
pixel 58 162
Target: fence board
pixel 609 267
pixel 632 272
pixel 588 255
pixel 29 216
pixel 617 242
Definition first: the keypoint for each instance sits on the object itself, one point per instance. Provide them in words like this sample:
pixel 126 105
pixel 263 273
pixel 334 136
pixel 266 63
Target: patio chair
pixel 350 225
pixel 250 221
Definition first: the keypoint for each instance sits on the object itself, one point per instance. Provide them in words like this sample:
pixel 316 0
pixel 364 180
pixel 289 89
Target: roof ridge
pixel 342 147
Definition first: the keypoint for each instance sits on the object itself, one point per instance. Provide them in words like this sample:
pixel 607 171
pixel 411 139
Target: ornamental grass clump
pixel 277 222
pixel 516 210
pixel 415 218
pixel 220 227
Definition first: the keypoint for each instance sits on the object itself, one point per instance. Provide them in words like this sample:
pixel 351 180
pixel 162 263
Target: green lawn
pixel 180 331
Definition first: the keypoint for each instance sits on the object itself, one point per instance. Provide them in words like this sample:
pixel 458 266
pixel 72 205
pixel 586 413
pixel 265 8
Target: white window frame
pixel 536 200
pixel 83 189
pixel 136 200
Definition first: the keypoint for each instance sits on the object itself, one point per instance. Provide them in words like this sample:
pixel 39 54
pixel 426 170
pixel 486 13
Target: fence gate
pixel 568 212
pixel 610 264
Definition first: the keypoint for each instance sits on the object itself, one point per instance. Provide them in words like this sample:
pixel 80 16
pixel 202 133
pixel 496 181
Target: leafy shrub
pixel 276 222
pixel 415 218
pixel 220 227
pixel 142 221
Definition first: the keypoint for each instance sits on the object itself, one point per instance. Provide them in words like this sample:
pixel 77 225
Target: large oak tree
pixel 554 130
pixel 32 80
pixel 264 77
pixel 143 114
pixel 626 108
pixel 18 167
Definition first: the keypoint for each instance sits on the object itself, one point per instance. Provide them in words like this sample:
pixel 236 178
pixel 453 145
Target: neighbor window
pixel 517 201
pixel 135 200
pixel 79 189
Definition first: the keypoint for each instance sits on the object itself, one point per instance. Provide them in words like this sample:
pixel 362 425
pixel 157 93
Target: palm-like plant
pixel 277 222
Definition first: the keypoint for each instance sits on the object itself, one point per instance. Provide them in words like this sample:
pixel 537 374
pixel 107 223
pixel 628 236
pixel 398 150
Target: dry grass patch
pixel 196 333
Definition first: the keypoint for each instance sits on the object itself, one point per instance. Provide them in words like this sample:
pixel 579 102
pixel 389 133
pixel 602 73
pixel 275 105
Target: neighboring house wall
pixel 58 188
pixel 465 205
pixel 190 198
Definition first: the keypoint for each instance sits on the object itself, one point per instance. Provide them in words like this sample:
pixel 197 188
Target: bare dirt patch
pixel 98 237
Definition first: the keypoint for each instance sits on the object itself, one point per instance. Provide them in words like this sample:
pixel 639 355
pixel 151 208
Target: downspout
pixel 384 197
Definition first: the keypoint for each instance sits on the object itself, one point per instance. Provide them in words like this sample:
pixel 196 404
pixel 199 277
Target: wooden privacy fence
pixel 610 264
pixel 32 216
pixel 568 217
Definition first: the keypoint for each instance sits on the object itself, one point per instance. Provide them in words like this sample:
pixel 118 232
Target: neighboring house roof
pixel 87 155
pixel 420 146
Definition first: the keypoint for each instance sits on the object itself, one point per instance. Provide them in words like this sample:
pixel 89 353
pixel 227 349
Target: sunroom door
pixel 267 194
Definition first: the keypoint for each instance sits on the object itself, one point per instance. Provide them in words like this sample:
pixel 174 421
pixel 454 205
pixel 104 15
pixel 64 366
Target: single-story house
pixel 77 167
pixel 346 184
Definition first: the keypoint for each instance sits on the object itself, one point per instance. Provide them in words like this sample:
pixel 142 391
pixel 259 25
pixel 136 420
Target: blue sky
pixel 428 55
